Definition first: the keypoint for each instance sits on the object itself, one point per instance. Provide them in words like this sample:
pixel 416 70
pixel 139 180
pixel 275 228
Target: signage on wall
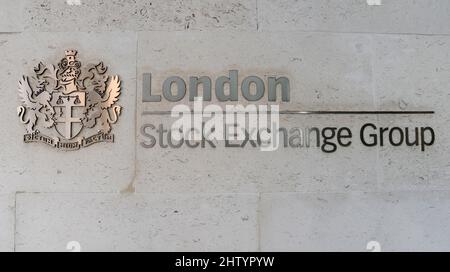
pixel 70 106
pixel 234 127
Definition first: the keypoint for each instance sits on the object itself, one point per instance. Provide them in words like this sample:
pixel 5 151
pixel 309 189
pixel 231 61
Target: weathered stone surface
pixel 140 15
pixel 11 16
pixel 37 167
pixel 338 55
pixel 7 222
pixel 400 221
pixel 412 73
pixel 400 16
pixel 139 222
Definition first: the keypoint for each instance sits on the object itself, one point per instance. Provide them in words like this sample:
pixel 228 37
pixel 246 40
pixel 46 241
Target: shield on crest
pixel 68 113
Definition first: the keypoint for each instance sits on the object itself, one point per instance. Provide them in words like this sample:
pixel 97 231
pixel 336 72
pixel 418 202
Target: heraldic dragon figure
pixel 68 98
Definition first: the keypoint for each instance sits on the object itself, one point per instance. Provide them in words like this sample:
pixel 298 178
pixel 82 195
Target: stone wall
pixel 338 55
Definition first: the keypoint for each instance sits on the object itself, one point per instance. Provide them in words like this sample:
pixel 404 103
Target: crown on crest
pixel 70 53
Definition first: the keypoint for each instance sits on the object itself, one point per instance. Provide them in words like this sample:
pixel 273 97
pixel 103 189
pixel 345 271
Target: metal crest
pixel 69 106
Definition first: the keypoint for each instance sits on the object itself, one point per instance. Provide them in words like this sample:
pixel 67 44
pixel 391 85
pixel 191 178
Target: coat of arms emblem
pixel 69 106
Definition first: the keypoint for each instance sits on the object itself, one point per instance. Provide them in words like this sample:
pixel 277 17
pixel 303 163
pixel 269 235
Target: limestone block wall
pixel 339 55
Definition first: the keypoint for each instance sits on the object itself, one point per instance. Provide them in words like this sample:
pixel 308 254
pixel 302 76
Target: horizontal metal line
pixel 309 112
pixel 357 112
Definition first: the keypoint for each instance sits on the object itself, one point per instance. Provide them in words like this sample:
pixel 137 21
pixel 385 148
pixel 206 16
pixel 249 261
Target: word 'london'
pixel 252 88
